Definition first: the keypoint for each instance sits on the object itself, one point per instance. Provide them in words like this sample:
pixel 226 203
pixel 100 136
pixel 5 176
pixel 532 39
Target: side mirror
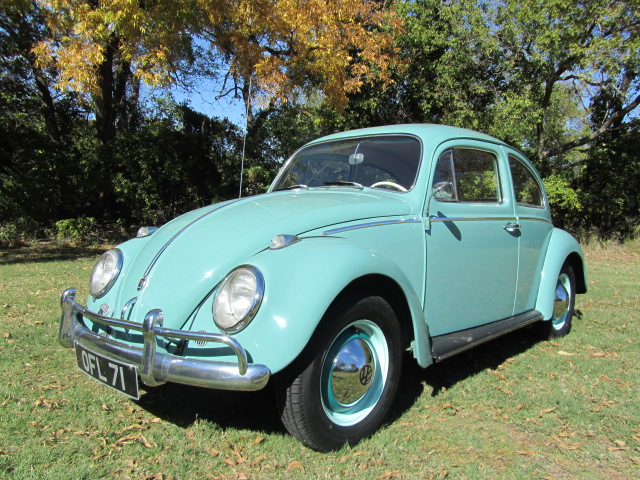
pixel 441 190
pixel 356 158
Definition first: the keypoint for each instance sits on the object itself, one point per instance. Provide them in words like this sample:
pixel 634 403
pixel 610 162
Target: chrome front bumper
pixel 156 368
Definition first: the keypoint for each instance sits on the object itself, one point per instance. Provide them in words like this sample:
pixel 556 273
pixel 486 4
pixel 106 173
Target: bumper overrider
pixel 155 368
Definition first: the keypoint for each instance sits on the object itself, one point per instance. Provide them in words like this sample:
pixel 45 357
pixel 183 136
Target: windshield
pixel 386 162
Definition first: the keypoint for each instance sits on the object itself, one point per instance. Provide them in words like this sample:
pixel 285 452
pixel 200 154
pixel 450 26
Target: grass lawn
pixel 513 408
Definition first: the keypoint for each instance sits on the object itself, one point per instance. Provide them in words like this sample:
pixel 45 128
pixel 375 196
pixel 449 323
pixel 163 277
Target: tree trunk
pixel 104 108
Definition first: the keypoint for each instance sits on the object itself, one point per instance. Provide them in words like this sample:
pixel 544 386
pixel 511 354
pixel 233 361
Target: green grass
pixel 513 408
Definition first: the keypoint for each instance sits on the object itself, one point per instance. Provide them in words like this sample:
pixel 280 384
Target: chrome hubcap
pixel 561 302
pixel 353 371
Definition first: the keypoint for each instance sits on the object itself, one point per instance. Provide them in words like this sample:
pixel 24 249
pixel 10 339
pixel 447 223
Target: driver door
pixel 472 252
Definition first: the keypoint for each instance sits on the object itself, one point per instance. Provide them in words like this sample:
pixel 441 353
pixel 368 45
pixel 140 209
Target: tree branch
pixel 607 126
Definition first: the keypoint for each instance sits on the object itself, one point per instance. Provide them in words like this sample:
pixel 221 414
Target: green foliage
pixel 162 171
pixel 558 80
pixel 565 203
pixel 610 185
pixel 76 230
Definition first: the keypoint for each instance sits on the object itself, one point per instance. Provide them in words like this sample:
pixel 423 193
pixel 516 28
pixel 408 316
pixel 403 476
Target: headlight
pixel 105 272
pixel 237 298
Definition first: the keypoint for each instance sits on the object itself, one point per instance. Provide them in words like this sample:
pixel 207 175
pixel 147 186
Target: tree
pixel 281 47
pixel 103 49
pixel 21 28
pixel 37 127
pixel 586 47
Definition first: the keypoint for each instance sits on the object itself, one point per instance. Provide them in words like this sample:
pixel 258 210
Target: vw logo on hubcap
pixel 366 374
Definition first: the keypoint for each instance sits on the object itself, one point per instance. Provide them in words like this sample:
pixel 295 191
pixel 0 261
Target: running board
pixel 445 346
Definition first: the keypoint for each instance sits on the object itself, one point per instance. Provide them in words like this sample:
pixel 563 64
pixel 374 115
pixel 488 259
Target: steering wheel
pixel 389 184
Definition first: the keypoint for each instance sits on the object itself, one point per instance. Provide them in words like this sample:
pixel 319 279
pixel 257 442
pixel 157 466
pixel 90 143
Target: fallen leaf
pixel 130 427
pixel 388 475
pixel 146 442
pixel 295 464
pixel 566 445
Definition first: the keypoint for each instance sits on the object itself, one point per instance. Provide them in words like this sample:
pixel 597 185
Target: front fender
pixel 562 248
pixel 301 281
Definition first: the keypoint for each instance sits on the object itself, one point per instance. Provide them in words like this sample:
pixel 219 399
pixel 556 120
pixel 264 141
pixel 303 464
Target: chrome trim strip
pixel 126 313
pixel 371 224
pixel 484 219
pixel 154 367
pixel 470 219
pixel 535 219
pixel 166 245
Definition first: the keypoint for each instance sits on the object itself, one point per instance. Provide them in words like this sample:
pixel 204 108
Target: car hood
pixel 184 260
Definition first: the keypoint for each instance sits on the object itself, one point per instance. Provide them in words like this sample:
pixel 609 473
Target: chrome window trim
pixel 498 173
pixel 543 192
pixel 285 165
pixel 371 224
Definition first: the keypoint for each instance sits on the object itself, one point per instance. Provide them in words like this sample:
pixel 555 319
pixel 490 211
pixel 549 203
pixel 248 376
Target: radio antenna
pixel 246 130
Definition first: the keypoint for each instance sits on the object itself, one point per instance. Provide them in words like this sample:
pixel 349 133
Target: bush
pixel 79 231
pixel 18 232
pixel 566 209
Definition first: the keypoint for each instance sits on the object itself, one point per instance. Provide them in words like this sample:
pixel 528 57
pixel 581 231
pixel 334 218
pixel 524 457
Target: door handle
pixel 511 227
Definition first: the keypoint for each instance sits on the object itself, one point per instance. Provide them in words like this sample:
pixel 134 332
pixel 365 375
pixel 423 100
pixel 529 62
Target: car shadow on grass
pixel 445 375
pixel 183 405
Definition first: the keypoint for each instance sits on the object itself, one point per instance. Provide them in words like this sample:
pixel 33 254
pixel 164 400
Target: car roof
pixel 435 133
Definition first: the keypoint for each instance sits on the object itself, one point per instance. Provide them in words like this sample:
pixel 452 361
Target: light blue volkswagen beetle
pixel 368 243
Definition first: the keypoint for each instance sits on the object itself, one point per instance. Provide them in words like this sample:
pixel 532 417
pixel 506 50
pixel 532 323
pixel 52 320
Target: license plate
pixel 117 375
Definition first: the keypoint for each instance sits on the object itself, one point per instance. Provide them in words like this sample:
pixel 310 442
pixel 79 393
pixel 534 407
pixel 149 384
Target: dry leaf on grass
pixel 295 465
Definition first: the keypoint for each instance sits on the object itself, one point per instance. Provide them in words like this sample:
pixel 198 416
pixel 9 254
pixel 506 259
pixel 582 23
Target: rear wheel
pixel 565 295
pixel 348 378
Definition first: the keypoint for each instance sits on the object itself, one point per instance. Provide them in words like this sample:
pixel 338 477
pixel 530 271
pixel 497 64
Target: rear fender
pixel 562 248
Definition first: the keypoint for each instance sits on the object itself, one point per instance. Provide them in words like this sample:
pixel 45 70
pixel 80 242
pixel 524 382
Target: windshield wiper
pixel 343 183
pixel 293 187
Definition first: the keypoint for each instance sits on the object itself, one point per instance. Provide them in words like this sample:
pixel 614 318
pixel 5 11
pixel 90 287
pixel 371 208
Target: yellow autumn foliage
pixel 336 45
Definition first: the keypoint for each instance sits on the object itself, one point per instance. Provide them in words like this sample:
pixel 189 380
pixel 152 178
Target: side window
pixel 473 175
pixel 525 185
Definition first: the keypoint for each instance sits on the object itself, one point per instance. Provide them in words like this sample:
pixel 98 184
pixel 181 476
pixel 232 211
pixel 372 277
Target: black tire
pixel 327 403
pixel 559 324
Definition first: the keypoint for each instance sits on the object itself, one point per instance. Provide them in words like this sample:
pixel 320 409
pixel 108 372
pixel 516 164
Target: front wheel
pixel 565 295
pixel 349 376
